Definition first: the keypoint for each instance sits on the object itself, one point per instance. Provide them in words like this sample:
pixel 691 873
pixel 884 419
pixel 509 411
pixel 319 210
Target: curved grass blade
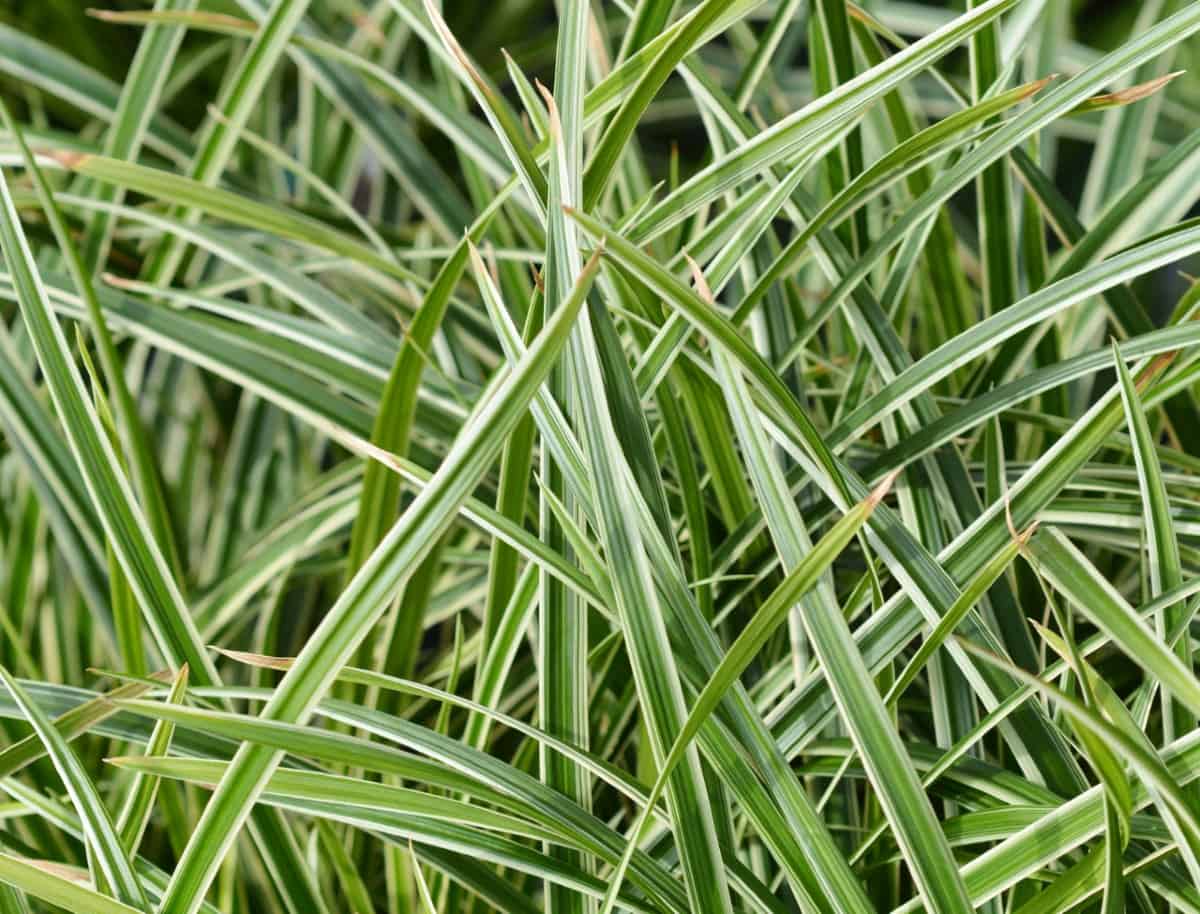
pixel 816 125
pixel 238 98
pixel 364 600
pixel 148 572
pixel 42 882
pixel 139 804
pixel 758 631
pixel 146 476
pixel 1162 544
pixel 140 96
pixel 107 853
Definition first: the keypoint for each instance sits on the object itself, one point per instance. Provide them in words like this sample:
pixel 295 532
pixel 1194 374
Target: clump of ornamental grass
pixel 586 457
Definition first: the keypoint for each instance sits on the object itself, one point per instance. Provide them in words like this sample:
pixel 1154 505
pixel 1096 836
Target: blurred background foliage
pixel 526 30
pixel 487 28
pixel 672 136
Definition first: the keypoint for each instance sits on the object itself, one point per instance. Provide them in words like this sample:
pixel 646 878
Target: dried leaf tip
pixel 66 158
pixel 61 870
pixel 1152 86
pixel 367 25
pixel 880 491
pixel 702 287
pixel 119 282
pixel 1008 518
pixel 551 109
pixel 593 262
pixel 854 11
pixel 1135 93
pixel 251 659
pixel 452 45
pixel 1155 368
pixel 1035 87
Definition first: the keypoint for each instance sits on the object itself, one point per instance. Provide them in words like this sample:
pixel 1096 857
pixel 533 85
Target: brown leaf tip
pixel 61 870
pixel 880 491
pixel 364 22
pixel 119 282
pixel 1035 87
pixel 1140 91
pixel 702 287
pixel 252 659
pixel 551 109
pixel 1155 368
pixel 66 158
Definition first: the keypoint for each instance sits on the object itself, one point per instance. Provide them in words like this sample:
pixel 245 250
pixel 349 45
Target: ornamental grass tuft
pixel 719 457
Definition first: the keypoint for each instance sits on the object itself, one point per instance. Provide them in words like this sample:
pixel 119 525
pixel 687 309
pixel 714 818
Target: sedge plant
pixel 588 457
